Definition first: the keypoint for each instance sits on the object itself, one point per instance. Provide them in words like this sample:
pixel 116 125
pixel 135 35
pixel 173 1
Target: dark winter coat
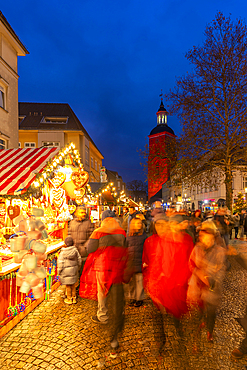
pixel 135 248
pixel 130 217
pixel 69 262
pixel 80 231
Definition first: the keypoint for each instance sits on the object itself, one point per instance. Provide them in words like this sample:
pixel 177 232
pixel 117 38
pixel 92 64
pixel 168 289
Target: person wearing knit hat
pixel 69 262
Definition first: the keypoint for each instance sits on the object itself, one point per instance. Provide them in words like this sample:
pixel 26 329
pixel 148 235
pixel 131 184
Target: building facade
pixel 55 124
pixel 204 196
pixel 10 48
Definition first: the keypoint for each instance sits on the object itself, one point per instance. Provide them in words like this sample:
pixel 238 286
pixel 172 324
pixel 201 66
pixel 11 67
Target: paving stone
pixel 55 336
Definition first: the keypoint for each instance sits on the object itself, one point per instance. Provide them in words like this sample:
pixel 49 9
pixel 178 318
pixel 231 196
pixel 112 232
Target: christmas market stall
pixel 39 190
pixel 102 195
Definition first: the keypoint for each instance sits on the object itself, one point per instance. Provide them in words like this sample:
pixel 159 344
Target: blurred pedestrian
pixel 165 266
pixel 132 214
pixel 135 241
pixel 242 223
pixel 157 208
pixel 207 264
pixel 124 224
pixel 241 351
pixel 236 219
pixel 69 262
pixel 105 271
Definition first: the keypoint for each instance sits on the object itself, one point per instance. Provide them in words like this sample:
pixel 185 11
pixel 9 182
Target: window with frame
pixel 92 162
pixel 57 120
pixel 119 185
pixel 87 155
pixel 3 144
pixel 29 145
pixel 95 165
pixel 244 182
pixel 2 97
pixel 51 143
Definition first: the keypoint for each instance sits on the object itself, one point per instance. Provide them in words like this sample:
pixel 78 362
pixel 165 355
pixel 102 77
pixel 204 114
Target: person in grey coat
pixel 80 230
pixel 69 262
pixel 135 241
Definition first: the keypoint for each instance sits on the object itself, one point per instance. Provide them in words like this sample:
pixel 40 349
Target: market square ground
pixel 60 336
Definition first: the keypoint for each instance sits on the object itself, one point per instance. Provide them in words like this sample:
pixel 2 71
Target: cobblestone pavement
pixel 60 336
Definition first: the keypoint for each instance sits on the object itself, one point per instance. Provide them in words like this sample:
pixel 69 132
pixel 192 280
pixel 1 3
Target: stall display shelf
pixel 52 247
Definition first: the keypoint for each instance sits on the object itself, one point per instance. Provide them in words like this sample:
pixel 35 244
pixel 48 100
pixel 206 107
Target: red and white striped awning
pixel 19 167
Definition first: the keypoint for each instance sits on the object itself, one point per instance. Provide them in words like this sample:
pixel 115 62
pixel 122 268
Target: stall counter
pixel 8 292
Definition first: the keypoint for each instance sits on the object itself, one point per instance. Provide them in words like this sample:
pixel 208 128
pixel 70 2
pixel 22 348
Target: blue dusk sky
pixel 109 60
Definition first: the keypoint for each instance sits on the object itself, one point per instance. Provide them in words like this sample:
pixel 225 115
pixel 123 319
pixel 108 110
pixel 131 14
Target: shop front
pixel 39 191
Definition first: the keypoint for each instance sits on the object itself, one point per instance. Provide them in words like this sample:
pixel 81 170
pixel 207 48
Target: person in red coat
pixel 105 271
pixel 165 266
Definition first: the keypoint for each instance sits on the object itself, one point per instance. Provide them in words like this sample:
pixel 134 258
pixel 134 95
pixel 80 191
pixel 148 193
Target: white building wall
pixel 220 193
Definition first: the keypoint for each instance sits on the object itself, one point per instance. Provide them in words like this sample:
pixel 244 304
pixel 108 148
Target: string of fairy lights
pixel 109 188
pixel 48 171
pixel 53 165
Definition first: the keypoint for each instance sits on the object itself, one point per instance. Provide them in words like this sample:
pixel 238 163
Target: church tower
pixel 158 167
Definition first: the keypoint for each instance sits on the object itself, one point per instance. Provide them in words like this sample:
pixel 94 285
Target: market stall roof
pixel 19 167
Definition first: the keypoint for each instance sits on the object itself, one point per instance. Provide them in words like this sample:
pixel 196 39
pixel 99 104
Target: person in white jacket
pixel 69 262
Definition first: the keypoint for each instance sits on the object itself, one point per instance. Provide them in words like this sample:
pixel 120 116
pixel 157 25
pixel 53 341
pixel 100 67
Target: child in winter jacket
pixel 69 262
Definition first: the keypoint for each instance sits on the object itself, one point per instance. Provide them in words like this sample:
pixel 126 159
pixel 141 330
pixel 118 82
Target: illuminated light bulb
pixel 100 194
pixel 60 157
pixel 111 184
pixel 36 184
pixel 44 175
pixel 113 188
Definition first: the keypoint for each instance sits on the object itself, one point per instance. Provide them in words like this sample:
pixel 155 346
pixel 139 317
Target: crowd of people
pixel 178 259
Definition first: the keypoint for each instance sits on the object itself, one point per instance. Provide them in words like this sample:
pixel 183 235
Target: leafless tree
pixel 211 103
